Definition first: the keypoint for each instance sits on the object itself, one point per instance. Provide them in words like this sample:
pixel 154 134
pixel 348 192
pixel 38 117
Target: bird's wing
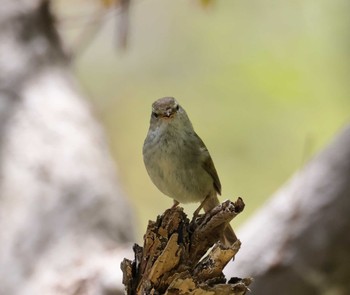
pixel 208 164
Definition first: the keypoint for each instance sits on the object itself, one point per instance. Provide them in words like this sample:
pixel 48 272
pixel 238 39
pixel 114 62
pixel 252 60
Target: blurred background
pixel 266 84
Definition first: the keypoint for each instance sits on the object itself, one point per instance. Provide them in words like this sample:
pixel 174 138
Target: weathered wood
pixel 180 256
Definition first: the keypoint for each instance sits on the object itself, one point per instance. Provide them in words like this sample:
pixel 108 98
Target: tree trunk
pixel 60 202
pixel 299 242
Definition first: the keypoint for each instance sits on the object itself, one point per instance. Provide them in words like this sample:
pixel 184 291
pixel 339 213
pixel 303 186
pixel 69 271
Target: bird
pixel 179 163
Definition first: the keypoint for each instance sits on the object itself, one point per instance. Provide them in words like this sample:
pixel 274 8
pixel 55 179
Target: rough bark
pixel 60 202
pixel 173 259
pixel 301 236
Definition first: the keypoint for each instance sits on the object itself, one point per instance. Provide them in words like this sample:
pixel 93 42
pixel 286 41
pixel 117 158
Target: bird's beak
pixel 168 113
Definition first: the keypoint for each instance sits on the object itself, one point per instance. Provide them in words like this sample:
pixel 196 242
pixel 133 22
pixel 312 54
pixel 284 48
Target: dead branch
pixel 175 258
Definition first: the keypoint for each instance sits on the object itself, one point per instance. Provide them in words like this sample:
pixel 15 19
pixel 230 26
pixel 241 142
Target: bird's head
pixel 165 108
pixel 167 112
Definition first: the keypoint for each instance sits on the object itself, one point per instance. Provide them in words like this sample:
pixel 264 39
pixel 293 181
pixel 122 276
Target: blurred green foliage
pixel 264 83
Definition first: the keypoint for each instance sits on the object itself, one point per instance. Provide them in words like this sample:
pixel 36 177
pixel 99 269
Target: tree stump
pixel 180 256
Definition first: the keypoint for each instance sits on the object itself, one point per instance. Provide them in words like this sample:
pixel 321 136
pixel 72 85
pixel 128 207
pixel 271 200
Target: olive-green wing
pixel 208 164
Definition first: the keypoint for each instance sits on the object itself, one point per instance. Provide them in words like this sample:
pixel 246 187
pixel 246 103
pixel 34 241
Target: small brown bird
pixel 178 162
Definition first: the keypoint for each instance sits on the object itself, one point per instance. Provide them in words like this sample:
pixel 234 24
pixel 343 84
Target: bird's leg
pixel 196 213
pixel 176 203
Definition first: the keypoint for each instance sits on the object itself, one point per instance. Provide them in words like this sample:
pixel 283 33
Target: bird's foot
pixel 176 203
pixel 196 213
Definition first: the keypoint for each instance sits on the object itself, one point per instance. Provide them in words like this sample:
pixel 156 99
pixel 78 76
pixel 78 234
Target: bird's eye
pixel 177 107
pixel 154 114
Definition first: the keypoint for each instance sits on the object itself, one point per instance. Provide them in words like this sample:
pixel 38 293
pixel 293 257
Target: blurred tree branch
pixel 60 200
pixel 303 230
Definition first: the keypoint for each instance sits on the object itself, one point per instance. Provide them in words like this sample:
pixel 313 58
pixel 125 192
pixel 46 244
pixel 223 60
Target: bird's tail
pixel 229 236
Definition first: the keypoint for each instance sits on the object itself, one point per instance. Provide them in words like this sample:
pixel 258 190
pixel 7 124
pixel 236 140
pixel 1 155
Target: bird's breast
pixel 175 167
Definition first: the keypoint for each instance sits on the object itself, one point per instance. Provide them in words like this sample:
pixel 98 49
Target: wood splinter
pixel 175 257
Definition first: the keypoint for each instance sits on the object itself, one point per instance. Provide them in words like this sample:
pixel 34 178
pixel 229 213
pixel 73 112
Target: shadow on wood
pixel 175 257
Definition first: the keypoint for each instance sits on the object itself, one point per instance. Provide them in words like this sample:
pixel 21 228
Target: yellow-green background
pixel 265 83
